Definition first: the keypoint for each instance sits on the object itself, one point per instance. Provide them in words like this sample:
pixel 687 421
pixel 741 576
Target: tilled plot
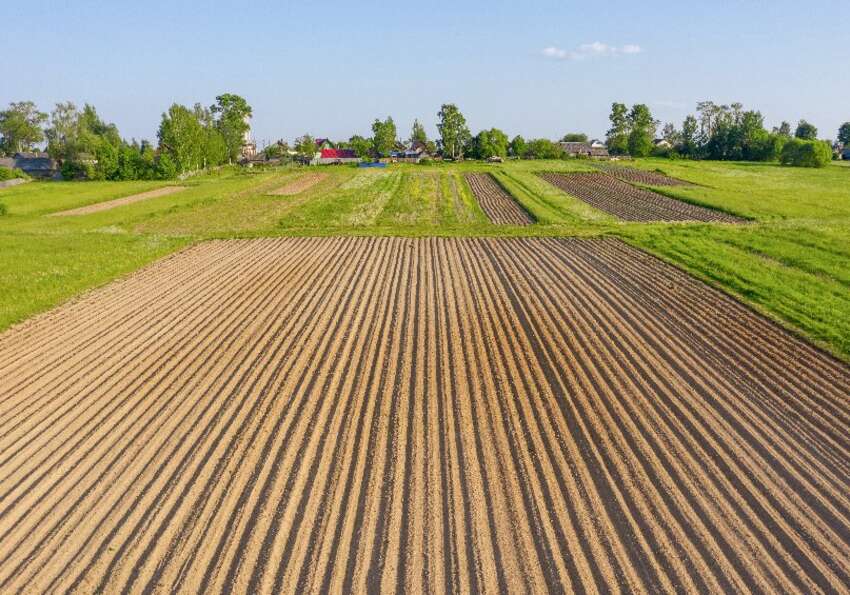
pixel 298 185
pixel 119 202
pixel 639 176
pixel 499 206
pixel 629 203
pixel 352 414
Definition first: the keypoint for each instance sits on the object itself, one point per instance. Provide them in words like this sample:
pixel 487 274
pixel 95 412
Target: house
pixel 36 165
pixel 335 157
pixel 662 143
pixel 597 144
pixel 416 152
pixel 577 149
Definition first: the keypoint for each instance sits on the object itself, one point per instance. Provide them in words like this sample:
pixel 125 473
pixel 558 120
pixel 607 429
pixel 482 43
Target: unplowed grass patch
pixel 630 203
pixel 442 415
pixel 500 206
pixel 119 202
pixel 299 185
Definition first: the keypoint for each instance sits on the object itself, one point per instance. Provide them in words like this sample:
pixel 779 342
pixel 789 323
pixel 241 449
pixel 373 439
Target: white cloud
pixel 590 50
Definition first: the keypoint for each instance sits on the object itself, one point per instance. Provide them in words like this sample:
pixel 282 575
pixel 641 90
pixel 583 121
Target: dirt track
pixel 348 413
pixel 630 203
pixel 500 207
pixel 119 202
pixel 298 185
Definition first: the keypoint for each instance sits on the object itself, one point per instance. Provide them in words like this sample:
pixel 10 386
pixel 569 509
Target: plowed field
pixel 119 202
pixel 301 184
pixel 629 203
pixel 344 414
pixel 499 206
pixel 639 176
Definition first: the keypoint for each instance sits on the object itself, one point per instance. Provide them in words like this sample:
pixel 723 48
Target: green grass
pixel 790 262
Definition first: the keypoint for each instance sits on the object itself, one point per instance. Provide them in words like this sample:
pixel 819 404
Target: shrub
pixel 11 174
pixel 3 209
pixel 806 153
pixel 75 170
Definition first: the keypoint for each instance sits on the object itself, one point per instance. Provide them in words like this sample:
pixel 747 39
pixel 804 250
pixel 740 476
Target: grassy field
pixel 790 262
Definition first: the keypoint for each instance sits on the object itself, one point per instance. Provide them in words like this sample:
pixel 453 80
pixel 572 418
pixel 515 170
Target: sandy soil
pixel 119 202
pixel 630 203
pixel 499 206
pixel 301 184
pixel 353 414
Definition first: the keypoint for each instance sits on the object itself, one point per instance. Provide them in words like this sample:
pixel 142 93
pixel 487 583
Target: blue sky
pixel 329 68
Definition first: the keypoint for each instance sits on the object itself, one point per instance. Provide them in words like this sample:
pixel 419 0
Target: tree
pixel 784 129
pixel 806 131
pixel 21 127
pixel 181 136
pixel 517 146
pixel 641 130
pixel 305 146
pixel 383 136
pixel 418 134
pixel 617 138
pixel 454 134
pixel 362 147
pixel 490 143
pixel 844 134
pixel 689 142
pixel 543 148
pixel 63 135
pixel 232 115
pixel 806 153
pixel 574 137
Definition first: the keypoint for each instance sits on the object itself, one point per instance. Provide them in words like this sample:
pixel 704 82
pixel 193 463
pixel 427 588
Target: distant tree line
pixel 718 132
pixel 455 141
pixel 88 147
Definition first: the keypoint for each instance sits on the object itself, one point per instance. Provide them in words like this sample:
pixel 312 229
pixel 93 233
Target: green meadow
pixel 791 262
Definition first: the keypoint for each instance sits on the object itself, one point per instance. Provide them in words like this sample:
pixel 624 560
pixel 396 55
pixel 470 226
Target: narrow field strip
pixel 389 414
pixel 119 202
pixel 629 203
pixel 639 176
pixel 499 206
pixel 299 185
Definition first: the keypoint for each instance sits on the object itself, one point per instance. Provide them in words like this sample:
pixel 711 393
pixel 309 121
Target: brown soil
pixel 629 203
pixel 498 205
pixel 353 414
pixel 119 202
pixel 301 184
pixel 640 176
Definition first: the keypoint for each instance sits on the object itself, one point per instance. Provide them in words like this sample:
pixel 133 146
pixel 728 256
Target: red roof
pixel 338 154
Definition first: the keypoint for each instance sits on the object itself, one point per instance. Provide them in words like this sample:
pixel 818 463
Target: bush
pixel 806 153
pixel 3 209
pixel 74 170
pixel 11 174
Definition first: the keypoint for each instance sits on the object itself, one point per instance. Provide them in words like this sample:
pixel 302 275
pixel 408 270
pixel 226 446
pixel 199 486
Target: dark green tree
pixel 617 138
pixel 490 143
pixel 844 134
pixel 806 131
pixel 641 130
pixel 574 137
